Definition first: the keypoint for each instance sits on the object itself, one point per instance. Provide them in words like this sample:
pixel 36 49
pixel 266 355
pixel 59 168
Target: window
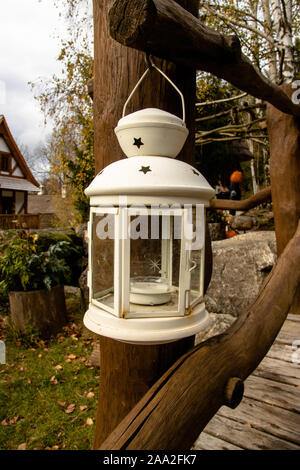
pixel 4 162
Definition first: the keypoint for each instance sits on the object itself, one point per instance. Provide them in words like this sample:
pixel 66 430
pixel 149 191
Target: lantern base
pixel 146 331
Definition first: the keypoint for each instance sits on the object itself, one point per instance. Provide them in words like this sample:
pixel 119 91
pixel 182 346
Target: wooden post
pixel 127 371
pixel 284 134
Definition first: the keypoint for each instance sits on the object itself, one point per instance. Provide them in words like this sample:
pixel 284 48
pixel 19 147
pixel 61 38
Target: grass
pixel 48 389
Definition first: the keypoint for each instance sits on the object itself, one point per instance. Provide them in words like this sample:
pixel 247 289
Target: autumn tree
pixel 65 101
pixel 267 30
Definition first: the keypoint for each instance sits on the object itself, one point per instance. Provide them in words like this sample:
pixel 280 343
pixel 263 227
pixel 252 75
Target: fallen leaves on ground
pixel 22 446
pixel 70 408
pixel 8 422
pixel 70 357
pixel 61 403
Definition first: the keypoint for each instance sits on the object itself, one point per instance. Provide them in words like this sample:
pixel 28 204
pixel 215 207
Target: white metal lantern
pixel 146 235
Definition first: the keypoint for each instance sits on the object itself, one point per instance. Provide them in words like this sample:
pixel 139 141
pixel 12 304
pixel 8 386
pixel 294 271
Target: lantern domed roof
pixel 150 115
pixel 151 131
pixel 147 178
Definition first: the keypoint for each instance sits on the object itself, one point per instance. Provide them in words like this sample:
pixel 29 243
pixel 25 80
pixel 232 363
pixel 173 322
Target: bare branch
pixel 223 100
pixel 239 24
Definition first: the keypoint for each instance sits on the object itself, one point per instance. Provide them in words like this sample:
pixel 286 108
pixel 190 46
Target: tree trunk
pixel 284 134
pixel 41 309
pixel 282 22
pixel 268 22
pixel 127 371
pixel 116 71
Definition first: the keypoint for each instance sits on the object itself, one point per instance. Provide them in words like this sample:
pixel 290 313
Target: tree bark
pixel 127 371
pixel 116 71
pixel 164 29
pixel 180 404
pixel 284 135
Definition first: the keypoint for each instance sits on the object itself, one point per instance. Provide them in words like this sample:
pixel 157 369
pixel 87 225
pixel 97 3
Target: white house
pixel 16 179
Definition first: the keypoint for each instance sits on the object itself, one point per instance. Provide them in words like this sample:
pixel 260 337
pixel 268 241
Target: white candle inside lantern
pixel 150 291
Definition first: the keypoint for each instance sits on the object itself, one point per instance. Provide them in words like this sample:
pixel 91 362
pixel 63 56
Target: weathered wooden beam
pixel 259 198
pixel 179 405
pixel 284 136
pixel 166 30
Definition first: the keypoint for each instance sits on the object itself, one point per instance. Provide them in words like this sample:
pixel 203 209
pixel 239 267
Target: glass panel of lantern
pixel 166 261
pixel 102 256
pixel 196 259
pixel 157 259
pixel 155 263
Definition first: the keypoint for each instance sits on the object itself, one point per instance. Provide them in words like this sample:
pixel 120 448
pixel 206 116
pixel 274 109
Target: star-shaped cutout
pixel 196 172
pixel 145 169
pixel 138 142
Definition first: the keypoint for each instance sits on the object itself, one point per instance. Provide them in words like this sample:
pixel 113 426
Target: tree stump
pixel 41 309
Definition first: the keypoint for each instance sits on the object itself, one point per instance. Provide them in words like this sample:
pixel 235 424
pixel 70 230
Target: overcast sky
pixel 29 49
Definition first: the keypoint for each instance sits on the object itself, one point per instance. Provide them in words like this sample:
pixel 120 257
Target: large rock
pixel 84 288
pixel 242 222
pixel 219 323
pixel 240 265
pixel 82 232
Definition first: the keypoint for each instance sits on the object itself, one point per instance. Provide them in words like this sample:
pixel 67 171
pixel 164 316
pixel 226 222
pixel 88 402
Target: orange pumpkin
pixel 230 234
pixel 236 177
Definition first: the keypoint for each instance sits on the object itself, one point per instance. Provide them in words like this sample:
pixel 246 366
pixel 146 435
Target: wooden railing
pixel 14 221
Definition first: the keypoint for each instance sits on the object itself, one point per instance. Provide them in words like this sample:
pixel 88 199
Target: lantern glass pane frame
pixel 188 298
pixel 163 310
pixel 105 211
pixel 198 253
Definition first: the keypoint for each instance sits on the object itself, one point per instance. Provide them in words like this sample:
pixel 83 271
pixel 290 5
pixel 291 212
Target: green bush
pixel 24 267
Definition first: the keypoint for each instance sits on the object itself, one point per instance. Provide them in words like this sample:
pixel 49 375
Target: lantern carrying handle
pixel 152 65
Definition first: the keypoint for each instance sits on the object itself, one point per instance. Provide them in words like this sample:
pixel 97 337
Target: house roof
pixel 15 151
pixel 17 184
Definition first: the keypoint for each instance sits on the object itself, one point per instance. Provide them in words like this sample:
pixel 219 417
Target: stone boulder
pixel 240 265
pixel 219 323
pixel 243 222
pixel 216 231
pixel 84 288
pixel 82 232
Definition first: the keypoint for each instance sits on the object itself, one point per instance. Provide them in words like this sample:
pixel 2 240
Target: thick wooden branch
pixel 259 198
pixel 165 29
pixel 179 405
